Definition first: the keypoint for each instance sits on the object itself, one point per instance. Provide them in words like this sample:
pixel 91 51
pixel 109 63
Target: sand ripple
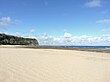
pixel 47 65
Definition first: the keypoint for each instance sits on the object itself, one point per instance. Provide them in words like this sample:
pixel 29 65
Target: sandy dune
pixel 47 65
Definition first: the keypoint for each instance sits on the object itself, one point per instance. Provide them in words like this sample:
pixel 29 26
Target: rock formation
pixel 15 40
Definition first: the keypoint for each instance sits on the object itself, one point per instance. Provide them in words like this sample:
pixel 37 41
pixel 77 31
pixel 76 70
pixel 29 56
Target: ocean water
pixel 91 47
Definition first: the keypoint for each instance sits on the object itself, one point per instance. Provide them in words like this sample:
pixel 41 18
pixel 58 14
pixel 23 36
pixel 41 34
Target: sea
pixel 90 47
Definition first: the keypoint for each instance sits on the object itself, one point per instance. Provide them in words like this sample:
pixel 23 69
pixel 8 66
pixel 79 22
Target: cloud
pixel 67 35
pixel 65 30
pixel 74 40
pixel 32 30
pixel 18 34
pixel 46 39
pixel 106 30
pixel 7 22
pixel 104 21
pixel 93 3
pixel 17 21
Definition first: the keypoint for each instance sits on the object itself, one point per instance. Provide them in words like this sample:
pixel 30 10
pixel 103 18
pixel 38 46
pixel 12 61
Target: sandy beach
pixel 53 65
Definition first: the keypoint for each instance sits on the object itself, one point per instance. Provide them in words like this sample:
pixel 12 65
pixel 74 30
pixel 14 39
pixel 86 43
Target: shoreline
pixel 56 47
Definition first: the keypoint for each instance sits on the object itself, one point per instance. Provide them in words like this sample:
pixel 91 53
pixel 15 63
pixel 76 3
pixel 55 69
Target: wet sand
pixel 51 65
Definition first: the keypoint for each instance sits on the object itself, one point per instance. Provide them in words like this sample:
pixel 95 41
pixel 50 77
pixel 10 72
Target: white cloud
pixel 67 35
pixel 106 30
pixel 104 21
pixel 65 30
pixel 74 40
pixel 46 40
pixel 7 22
pixel 15 34
pixel 18 34
pixel 17 21
pixel 93 3
pixel 32 30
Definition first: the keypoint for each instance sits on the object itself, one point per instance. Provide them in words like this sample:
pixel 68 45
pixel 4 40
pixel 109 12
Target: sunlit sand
pixel 51 65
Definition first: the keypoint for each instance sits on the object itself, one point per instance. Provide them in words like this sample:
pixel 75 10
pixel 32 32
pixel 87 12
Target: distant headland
pixel 15 40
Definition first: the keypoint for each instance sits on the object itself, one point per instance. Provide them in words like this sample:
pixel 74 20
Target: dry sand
pixel 50 65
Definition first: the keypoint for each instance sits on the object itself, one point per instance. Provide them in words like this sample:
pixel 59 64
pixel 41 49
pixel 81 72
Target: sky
pixel 58 22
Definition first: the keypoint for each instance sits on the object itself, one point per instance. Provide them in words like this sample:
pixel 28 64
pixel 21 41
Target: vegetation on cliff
pixel 15 40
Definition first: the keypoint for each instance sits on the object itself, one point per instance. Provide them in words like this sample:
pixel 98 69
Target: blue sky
pixel 57 22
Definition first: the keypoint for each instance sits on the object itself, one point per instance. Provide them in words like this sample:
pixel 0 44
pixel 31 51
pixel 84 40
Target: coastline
pixel 56 47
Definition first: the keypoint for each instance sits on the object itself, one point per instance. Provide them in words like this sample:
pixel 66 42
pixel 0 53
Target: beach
pixel 53 65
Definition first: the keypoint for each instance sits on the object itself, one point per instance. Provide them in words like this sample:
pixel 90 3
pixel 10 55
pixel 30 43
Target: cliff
pixel 15 40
